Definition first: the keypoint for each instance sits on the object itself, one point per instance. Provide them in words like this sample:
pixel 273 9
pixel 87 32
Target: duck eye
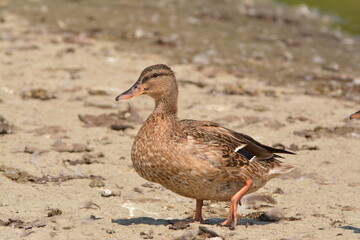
pixel 155 75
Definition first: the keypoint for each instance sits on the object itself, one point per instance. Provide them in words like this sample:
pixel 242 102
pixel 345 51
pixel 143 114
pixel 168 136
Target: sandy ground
pixel 79 76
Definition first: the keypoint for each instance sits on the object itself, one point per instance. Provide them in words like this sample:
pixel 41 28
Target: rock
pixel 97 183
pixel 110 231
pixel 92 156
pixel 106 192
pixel 138 190
pixel 17 175
pixel 179 225
pixel 79 147
pixel 100 105
pixel 278 191
pixel 60 146
pixel 337 223
pixel 33 149
pixel 235 90
pixel 24 177
pixel 148 185
pixel 146 235
pixel 292 119
pixel 37 93
pixel 39 223
pixel 273 215
pixel 102 120
pixel 320 131
pixel 110 192
pixel 294 147
pixel 102 91
pixel 49 130
pixel 5 126
pixel 206 233
pixel 188 235
pixel 3 223
pixel 54 212
pixel 80 161
pixel 279 146
pixel 120 127
pixel 307 147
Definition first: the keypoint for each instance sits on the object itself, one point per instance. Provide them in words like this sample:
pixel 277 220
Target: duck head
pixel 157 81
pixel 355 115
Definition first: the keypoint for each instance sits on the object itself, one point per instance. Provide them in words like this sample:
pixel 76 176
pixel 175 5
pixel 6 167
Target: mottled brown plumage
pixel 196 159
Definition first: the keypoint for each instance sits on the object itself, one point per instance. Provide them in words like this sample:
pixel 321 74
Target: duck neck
pixel 166 105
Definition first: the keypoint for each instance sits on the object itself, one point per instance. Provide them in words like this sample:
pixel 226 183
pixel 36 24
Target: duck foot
pixel 231 220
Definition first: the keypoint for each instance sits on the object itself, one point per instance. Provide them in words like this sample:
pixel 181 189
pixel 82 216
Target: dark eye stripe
pixel 154 75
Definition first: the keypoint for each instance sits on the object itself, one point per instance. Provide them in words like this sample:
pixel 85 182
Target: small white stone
pixel 105 192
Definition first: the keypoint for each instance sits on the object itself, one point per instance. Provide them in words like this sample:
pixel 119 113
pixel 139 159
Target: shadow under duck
pixel 197 159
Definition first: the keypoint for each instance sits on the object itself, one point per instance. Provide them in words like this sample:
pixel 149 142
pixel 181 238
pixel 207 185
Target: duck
pixel 355 115
pixel 201 160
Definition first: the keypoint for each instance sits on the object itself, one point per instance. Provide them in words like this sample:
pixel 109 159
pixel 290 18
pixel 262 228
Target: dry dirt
pixel 64 140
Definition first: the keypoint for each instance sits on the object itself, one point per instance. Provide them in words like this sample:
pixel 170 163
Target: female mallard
pixel 355 115
pixel 197 159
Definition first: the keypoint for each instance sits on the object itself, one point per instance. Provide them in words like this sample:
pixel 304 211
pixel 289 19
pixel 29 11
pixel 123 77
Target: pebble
pixel 37 93
pixel 104 192
pixel 54 212
pixel 5 126
pixel 97 183
pixel 189 235
pixel 138 190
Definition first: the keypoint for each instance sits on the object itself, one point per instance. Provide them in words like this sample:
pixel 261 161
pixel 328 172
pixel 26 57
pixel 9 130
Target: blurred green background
pixel 347 11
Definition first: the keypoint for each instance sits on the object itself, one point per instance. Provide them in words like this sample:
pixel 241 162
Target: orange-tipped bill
pixel 136 90
pixel 355 115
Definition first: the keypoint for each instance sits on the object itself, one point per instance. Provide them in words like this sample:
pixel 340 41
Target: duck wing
pixel 237 148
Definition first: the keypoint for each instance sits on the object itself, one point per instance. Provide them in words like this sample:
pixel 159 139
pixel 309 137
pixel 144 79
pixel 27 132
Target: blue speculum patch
pixel 245 153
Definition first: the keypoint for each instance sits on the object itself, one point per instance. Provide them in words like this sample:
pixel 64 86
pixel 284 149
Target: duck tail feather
pixel 283 168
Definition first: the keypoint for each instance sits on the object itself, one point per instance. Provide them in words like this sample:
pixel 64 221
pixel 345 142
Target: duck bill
pixel 136 90
pixel 355 115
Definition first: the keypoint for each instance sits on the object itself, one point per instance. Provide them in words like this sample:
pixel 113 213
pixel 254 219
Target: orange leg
pixel 198 213
pixel 231 220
